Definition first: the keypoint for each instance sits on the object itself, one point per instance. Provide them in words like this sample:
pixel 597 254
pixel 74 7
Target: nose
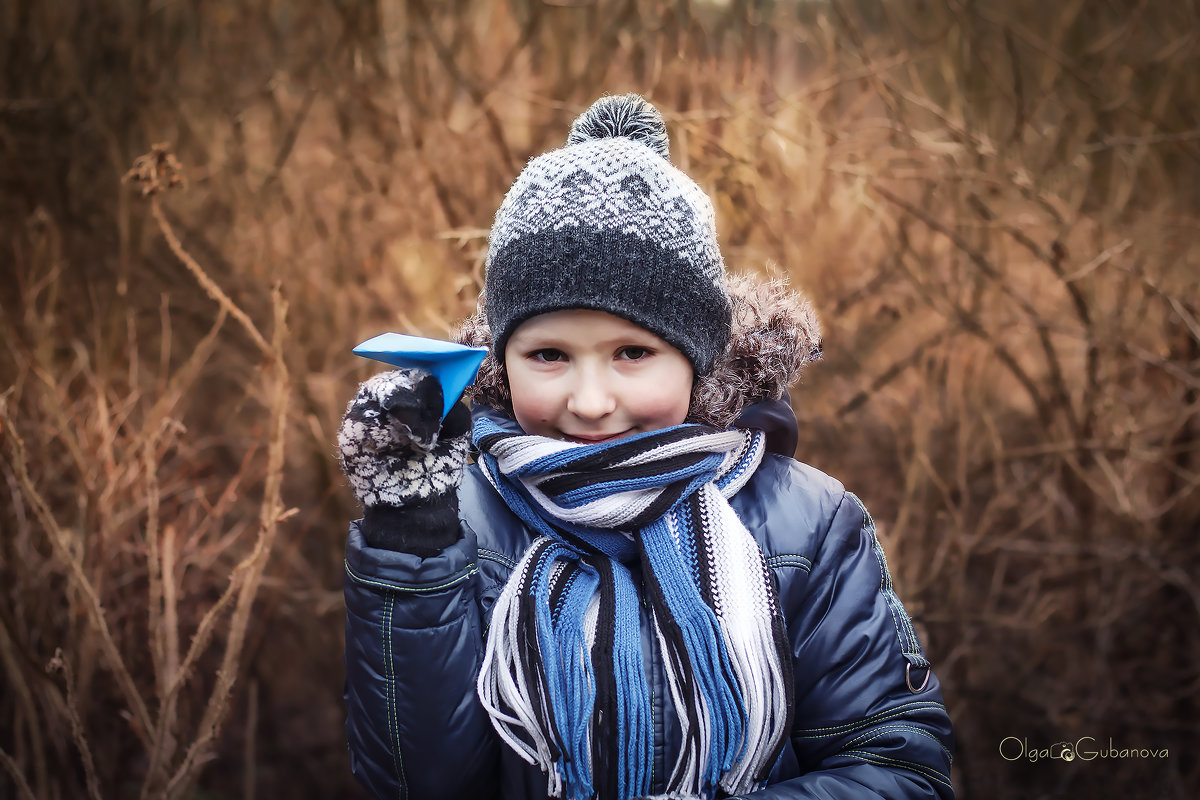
pixel 591 397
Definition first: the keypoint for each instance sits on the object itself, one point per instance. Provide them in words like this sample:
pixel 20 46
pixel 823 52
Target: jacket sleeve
pixel 859 729
pixel 414 643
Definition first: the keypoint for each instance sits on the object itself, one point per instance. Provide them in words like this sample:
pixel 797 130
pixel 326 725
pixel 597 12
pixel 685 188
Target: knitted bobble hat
pixel 608 223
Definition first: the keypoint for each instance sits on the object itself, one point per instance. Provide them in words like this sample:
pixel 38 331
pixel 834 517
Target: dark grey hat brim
pixel 607 270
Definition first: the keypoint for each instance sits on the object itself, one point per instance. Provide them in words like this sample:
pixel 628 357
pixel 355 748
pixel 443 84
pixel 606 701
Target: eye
pixel 548 355
pixel 633 353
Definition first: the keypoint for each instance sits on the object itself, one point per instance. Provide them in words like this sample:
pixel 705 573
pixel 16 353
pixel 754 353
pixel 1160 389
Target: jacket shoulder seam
pixel 825 533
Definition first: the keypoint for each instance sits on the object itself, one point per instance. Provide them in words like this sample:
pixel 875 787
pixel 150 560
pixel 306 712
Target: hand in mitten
pixel 404 462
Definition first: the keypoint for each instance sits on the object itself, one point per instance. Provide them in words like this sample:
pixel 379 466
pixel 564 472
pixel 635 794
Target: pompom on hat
pixel 608 223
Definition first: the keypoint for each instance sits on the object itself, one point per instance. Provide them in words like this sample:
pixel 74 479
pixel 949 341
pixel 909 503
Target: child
pixel 616 601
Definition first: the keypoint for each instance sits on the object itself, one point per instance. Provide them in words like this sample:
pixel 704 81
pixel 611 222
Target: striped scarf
pixel 563 678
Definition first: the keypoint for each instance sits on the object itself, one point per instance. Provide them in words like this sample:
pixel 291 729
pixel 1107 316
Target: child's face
pixel 588 376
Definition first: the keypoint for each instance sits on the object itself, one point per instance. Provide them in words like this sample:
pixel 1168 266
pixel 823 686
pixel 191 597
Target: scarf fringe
pixel 563 679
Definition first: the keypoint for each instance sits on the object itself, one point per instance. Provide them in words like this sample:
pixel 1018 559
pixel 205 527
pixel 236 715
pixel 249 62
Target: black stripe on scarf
pixel 486 442
pixel 666 499
pixel 561 484
pixel 704 566
pixel 530 657
pixel 627 448
pixel 560 585
pixel 604 709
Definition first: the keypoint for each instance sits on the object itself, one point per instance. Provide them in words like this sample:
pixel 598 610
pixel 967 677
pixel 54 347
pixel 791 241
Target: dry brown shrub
pixel 993 206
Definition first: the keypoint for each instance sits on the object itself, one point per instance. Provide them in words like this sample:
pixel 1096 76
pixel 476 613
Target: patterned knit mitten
pixel 404 462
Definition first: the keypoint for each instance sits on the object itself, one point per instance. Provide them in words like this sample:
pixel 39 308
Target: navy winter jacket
pixel 869 719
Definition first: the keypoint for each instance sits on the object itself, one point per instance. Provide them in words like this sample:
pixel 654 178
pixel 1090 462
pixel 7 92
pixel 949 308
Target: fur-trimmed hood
pixel 775 333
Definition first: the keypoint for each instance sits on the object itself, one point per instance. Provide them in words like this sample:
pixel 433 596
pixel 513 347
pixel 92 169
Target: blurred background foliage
pixel 993 205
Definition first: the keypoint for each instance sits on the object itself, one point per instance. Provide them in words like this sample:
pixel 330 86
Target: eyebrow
pixel 543 340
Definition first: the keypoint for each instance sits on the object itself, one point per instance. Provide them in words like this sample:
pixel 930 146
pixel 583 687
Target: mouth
pixel 594 438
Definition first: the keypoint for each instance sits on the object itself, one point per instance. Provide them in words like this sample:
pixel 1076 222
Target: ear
pixel 491 383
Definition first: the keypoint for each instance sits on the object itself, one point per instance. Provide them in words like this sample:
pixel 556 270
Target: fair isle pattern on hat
pixel 610 224
pixel 617 185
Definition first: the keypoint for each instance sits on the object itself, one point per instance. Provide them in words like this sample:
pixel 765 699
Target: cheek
pixel 664 401
pixel 533 404
pixel 530 404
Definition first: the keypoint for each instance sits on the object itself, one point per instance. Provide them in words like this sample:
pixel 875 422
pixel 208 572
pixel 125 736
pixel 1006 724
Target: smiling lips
pixel 593 439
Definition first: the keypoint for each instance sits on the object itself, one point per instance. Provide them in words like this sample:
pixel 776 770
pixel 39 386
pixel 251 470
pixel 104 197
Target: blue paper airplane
pixel 454 365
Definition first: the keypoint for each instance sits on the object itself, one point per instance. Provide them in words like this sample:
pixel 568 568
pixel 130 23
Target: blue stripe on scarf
pixel 705 645
pixel 579 684
pixel 578 497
